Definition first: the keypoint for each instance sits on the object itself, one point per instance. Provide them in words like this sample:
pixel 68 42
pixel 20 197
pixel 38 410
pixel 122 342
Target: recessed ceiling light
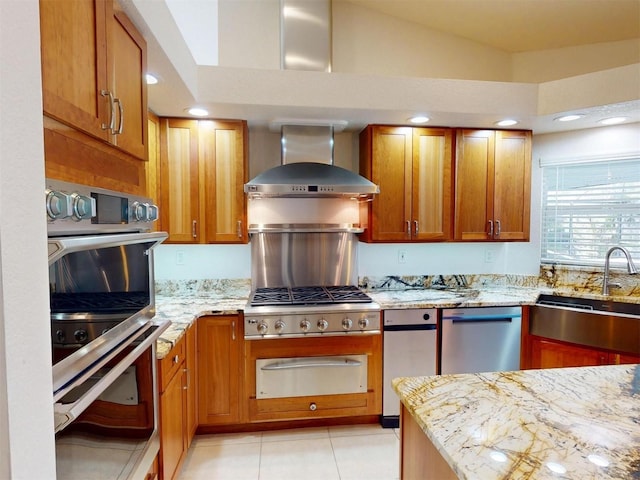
pixel 198 112
pixel 506 122
pixel 419 119
pixel 613 120
pixel 569 118
pixel 151 79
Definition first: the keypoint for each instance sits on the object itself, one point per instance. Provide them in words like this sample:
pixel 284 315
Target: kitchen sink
pixel 600 324
pixel 590 304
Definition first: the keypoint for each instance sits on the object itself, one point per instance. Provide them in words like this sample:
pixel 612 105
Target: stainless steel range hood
pixel 307 169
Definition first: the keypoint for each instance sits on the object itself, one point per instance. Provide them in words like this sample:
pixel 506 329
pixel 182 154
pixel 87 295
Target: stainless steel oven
pixel 314 338
pixel 103 336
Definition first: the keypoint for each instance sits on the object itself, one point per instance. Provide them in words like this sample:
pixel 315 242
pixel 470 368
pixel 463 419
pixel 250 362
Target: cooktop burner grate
pixel 313 295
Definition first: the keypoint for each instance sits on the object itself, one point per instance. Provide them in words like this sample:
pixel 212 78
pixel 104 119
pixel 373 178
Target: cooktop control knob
pixel 263 328
pixel 83 206
pixel 139 211
pixel 152 213
pixel 322 324
pixel 305 325
pixel 363 323
pixel 347 323
pixel 279 326
pixel 80 335
pixel 60 336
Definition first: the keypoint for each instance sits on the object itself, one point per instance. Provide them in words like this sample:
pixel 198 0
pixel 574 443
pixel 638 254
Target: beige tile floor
pixel 358 452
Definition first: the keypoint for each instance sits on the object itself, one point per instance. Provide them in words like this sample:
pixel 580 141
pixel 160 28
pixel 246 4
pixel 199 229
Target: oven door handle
pixel 66 413
pixel 312 363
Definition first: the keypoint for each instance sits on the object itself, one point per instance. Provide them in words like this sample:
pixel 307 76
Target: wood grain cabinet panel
pixel 93 63
pixel 492 185
pixel 203 168
pixel 220 341
pixel 413 168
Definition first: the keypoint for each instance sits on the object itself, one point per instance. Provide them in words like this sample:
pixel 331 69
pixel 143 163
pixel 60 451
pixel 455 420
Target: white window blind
pixel 589 206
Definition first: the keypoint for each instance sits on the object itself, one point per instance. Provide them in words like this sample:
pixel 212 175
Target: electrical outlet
pixel 402 256
pixel 489 255
pixel 180 257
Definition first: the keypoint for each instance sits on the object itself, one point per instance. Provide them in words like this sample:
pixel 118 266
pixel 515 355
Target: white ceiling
pixel 521 25
pixel 511 25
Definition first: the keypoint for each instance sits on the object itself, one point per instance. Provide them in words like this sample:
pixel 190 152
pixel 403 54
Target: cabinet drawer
pixel 320 406
pixel 170 364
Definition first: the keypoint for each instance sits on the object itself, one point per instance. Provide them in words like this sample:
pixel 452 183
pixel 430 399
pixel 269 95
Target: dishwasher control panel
pixel 412 316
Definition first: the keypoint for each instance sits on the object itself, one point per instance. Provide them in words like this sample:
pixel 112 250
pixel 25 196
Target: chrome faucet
pixel 631 268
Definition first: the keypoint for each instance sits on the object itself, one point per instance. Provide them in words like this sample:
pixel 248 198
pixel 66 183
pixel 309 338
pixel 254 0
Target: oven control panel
pixel 264 325
pixel 75 208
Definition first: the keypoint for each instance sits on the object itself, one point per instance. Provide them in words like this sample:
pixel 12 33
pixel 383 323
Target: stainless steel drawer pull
pixel 311 363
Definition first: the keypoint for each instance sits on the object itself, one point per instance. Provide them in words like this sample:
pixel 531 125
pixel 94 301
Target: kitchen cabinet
pixel 413 168
pixel 492 185
pixel 220 341
pixel 203 168
pixel 547 353
pixel 177 397
pixel 93 65
pixel 307 407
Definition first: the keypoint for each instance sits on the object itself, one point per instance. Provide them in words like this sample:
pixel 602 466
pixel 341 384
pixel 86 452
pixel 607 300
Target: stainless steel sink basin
pixel 600 324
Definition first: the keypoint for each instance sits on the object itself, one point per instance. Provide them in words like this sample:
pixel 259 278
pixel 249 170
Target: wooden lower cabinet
pixel 548 353
pixel 177 397
pixel 315 406
pixel 419 458
pixel 220 340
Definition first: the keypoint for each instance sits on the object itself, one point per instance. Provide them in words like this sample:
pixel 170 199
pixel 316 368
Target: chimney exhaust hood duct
pixel 307 168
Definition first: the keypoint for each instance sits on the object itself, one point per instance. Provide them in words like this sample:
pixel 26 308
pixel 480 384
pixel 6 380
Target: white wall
pixel 26 402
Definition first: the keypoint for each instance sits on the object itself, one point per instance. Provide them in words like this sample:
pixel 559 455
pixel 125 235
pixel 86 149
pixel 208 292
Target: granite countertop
pixel 570 423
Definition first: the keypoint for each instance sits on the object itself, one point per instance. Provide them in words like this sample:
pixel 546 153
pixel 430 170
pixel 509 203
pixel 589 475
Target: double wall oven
pixel 313 337
pixel 103 335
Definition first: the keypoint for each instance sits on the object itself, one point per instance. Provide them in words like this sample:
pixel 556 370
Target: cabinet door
pixel 431 184
pixel 180 211
pixel 550 354
pixel 73 41
pixel 219 371
pixel 512 185
pixel 474 184
pixel 127 61
pixel 391 160
pixel 191 414
pixel 172 426
pixel 223 161
pixel 153 164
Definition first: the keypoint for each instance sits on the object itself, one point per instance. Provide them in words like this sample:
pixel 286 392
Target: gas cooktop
pixel 313 295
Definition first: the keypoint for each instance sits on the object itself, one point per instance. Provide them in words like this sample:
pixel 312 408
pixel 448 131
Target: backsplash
pixel 581 280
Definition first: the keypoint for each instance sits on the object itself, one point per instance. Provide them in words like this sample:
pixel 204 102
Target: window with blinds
pixel 589 206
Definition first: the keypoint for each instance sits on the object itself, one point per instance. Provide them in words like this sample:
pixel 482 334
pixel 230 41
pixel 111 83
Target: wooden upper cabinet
pixel 203 168
pixel 493 185
pixel 224 162
pixel 73 38
pixel 179 180
pixel 93 64
pixel 413 168
pixel 128 64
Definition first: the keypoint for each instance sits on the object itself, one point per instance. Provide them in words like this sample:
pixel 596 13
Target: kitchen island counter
pixel 570 423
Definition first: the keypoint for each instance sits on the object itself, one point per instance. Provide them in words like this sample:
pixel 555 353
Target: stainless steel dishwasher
pixel 484 339
pixel 410 349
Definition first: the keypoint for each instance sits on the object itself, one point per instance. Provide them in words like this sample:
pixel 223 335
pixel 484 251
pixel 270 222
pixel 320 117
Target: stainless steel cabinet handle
pixel 176 359
pixel 311 363
pixel 497 228
pixel 408 228
pixel 233 329
pixel 193 229
pixel 490 229
pixel 121 119
pixel 112 107
pixel 187 372
pixel 239 228
pixel 415 227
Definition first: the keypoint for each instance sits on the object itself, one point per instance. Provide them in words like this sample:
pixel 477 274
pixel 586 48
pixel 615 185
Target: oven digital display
pixel 110 209
pixel 312 188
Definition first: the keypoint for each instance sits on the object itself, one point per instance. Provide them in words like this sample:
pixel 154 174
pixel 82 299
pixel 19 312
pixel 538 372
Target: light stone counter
pixel 569 423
